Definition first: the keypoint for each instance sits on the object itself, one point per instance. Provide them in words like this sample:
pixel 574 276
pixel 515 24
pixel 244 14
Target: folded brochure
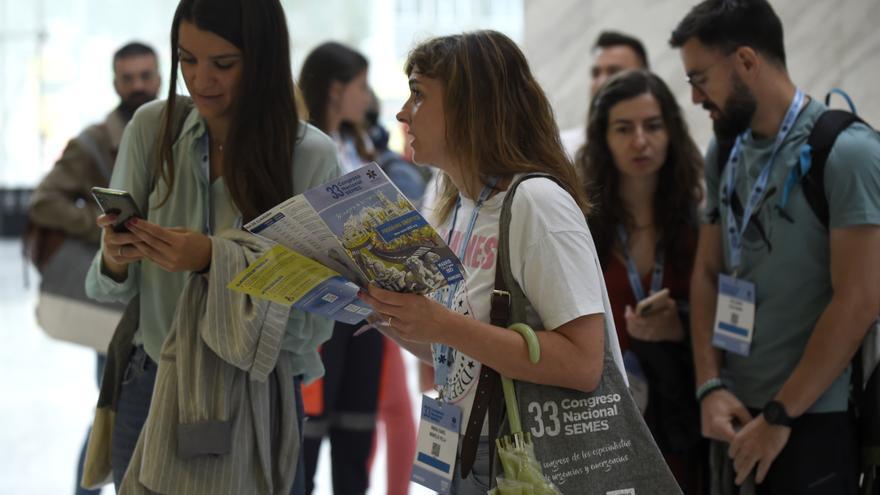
pixel 331 240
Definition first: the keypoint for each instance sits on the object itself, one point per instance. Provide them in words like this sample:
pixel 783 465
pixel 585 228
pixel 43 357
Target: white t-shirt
pixel 553 259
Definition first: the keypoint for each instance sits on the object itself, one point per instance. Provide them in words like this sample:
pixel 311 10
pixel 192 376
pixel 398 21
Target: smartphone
pixel 116 202
pixel 648 304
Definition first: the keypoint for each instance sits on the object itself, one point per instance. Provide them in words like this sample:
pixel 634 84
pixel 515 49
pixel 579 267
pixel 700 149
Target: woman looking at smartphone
pixel 642 170
pixel 236 150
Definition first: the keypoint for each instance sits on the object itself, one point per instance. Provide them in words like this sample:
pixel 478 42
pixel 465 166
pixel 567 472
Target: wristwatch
pixel 775 414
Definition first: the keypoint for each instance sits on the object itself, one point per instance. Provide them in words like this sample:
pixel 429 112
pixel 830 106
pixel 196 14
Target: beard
pixel 739 109
pixel 133 101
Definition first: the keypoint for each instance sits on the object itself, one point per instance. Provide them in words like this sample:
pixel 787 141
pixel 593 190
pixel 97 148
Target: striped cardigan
pixel 223 414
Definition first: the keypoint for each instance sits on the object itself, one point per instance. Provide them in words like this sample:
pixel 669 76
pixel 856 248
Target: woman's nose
pixel 639 138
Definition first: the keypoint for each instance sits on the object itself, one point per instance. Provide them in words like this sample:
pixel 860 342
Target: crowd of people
pixel 728 292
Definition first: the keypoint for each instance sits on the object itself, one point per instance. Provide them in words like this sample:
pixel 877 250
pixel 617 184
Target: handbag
pixel 586 443
pixel 63 310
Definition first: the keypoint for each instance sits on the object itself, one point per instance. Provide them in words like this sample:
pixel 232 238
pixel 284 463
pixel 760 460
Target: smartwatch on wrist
pixel 775 414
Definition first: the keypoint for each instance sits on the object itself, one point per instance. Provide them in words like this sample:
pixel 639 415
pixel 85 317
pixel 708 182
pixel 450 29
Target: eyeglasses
pixel 699 78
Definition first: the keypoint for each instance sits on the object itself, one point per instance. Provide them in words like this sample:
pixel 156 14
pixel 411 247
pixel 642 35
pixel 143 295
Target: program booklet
pixel 356 230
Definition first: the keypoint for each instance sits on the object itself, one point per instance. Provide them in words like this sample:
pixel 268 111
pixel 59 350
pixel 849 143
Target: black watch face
pixel 774 413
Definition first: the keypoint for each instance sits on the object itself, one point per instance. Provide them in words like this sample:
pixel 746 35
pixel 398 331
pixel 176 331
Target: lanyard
pixel 443 353
pixel 734 232
pixel 635 282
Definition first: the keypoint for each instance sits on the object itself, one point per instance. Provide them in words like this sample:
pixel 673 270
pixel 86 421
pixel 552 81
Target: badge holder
pixel 734 315
pixel 439 429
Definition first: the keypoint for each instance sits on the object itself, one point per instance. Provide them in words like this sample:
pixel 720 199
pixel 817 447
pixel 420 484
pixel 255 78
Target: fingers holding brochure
pixel 358 230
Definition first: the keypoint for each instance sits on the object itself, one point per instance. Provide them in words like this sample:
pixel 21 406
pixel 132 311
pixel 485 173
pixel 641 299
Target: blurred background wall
pixel 55 57
pixel 828 43
pixel 56 77
pixel 55 72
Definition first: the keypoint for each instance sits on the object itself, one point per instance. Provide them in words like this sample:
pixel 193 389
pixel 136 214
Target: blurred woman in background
pixel 343 406
pixel 642 170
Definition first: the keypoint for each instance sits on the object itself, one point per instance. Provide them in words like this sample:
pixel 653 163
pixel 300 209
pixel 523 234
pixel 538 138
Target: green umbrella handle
pixel 531 340
pixel 507 384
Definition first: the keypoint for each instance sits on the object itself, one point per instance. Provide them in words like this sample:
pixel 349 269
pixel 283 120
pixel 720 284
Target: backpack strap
pixel 838 91
pixel 183 105
pixel 723 146
pixel 822 138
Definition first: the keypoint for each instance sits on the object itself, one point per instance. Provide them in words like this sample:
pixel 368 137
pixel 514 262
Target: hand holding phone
pixel 116 202
pixel 651 303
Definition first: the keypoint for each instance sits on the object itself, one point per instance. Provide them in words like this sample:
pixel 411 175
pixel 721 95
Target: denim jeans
pixel 135 395
pixel 478 481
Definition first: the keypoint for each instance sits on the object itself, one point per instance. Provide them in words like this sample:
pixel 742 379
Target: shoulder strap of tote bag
pixel 508 304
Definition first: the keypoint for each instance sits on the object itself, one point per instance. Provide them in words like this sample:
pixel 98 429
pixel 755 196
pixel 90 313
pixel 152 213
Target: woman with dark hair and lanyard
pixel 236 152
pixel 642 170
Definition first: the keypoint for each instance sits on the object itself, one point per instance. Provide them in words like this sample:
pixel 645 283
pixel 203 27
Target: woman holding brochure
pixel 477 114
pixel 198 170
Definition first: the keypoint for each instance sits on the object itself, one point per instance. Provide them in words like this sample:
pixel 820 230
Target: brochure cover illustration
pixel 353 231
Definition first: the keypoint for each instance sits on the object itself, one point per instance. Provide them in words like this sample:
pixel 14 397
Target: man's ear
pixel 116 86
pixel 748 62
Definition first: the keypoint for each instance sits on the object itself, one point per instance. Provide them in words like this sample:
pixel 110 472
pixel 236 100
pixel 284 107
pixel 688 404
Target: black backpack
pixel 865 393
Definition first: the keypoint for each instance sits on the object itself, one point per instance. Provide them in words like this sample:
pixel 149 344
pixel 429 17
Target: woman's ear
pixel 334 95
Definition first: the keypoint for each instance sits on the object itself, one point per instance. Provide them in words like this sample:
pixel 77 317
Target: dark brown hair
pixel 608 39
pixel 730 24
pixel 327 63
pixel 498 119
pixel 678 190
pixel 263 128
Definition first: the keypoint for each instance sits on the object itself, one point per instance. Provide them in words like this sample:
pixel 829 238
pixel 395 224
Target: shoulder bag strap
pixel 508 304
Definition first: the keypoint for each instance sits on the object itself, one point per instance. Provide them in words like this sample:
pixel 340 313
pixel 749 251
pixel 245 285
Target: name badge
pixel 734 315
pixel 439 429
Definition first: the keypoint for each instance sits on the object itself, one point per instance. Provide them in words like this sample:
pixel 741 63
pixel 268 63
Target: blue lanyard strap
pixel 635 282
pixel 734 232
pixel 443 354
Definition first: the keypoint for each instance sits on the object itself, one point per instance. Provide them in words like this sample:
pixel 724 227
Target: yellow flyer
pixel 287 277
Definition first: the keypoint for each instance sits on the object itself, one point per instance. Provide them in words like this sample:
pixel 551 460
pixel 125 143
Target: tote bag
pixel 587 443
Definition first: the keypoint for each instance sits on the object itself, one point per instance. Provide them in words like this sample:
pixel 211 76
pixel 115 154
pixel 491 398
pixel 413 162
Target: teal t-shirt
pixel 789 261
pixel 314 163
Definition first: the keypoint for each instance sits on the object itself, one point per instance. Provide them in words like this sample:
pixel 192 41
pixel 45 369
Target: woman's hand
pixel 409 317
pixel 118 249
pixel 661 324
pixel 173 249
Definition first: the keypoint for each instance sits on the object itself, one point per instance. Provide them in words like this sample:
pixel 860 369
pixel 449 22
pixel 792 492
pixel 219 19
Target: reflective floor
pixel 48 391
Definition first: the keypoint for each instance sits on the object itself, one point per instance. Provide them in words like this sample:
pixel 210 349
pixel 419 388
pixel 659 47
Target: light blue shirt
pixel 314 163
